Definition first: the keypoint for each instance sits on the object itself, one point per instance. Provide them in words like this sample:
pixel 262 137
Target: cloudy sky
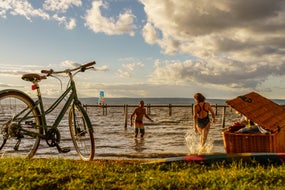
pixel 147 48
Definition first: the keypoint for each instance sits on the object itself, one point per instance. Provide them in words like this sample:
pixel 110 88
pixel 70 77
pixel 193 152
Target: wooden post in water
pixel 148 109
pixel 170 109
pixel 104 108
pixel 224 116
pixel 126 115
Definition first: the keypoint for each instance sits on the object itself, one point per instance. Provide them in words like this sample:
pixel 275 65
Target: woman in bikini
pixel 139 113
pixel 201 117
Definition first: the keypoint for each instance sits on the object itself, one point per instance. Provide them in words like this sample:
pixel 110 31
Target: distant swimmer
pixel 202 121
pixel 139 113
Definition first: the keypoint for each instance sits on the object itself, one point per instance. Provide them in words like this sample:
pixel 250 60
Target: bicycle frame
pixel 72 98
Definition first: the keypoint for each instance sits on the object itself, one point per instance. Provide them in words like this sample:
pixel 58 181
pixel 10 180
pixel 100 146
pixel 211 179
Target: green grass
pixel 16 173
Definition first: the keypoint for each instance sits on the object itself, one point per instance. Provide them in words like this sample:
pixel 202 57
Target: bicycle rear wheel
pixel 81 132
pixel 18 121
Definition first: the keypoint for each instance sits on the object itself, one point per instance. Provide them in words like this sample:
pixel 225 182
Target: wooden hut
pixel 266 114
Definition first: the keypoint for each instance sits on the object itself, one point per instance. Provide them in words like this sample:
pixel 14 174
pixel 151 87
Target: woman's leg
pixel 199 130
pixel 204 134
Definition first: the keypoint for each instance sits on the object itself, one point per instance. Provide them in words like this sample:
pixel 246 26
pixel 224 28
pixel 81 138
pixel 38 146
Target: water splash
pixel 192 141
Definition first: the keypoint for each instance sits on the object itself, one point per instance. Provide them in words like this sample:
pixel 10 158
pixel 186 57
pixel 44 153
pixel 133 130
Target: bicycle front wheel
pixel 81 132
pixel 18 120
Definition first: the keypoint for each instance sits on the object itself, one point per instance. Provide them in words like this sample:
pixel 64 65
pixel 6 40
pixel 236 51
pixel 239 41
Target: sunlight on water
pixel 192 141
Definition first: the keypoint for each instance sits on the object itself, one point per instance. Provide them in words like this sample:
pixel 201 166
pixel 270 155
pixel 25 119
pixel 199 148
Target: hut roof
pixel 260 110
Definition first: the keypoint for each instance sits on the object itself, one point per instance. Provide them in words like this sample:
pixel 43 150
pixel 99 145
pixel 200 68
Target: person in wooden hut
pixel 202 121
pixel 139 113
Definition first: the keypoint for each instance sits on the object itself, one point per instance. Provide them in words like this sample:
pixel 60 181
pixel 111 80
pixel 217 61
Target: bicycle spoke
pixel 81 133
pixel 15 108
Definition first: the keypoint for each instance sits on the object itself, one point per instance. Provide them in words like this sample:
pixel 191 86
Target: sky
pixel 146 48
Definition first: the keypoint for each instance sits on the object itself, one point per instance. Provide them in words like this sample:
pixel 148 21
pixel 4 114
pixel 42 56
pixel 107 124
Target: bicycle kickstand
pixel 16 147
pixel 62 150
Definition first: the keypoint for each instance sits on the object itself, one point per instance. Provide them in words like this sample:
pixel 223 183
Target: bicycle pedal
pixel 64 150
pixel 80 132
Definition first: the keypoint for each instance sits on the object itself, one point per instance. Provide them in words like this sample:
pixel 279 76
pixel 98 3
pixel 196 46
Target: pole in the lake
pixel 126 115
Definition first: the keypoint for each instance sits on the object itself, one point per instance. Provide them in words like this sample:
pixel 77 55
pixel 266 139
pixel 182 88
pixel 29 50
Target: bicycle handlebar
pixel 82 68
pixel 88 64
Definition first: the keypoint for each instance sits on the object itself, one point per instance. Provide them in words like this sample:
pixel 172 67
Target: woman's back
pixel 202 109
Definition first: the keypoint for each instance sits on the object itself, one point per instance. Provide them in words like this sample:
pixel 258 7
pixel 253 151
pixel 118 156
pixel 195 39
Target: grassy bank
pixel 18 173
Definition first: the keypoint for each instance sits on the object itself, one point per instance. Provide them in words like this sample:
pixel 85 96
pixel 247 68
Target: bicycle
pixel 23 121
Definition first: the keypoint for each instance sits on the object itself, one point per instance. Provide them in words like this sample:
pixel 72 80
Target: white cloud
pixel 25 8
pixel 102 68
pixel 70 64
pixel 149 33
pixel 133 66
pixel 236 43
pixel 122 24
pixel 98 23
pixel 123 74
pixel 190 72
pixel 130 66
pixel 4 6
pixel 60 5
pixel 18 69
pixel 69 25
pixel 22 8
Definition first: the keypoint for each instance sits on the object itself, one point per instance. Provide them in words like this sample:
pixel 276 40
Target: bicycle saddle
pixel 33 77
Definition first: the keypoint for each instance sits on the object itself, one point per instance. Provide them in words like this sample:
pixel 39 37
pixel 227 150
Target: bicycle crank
pixel 53 140
pixel 52 137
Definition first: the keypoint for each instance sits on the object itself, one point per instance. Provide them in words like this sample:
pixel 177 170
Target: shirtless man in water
pixel 139 113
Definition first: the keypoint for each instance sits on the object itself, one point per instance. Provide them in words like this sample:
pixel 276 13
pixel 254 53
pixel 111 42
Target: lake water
pixel 168 136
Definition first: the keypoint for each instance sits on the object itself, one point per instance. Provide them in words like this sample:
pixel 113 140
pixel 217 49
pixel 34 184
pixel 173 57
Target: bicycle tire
pixel 14 125
pixel 81 132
